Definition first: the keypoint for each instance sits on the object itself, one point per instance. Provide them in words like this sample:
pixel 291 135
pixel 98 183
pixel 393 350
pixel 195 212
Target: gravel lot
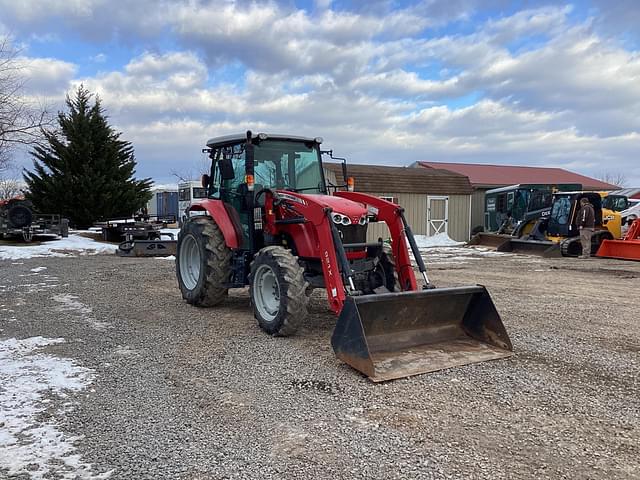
pixel 180 392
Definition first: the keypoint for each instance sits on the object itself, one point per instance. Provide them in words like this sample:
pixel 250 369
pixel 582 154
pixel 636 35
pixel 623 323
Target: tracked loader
pixel 558 235
pixel 271 223
pixel 521 206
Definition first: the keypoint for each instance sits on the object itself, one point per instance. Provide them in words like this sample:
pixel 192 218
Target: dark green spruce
pixel 85 171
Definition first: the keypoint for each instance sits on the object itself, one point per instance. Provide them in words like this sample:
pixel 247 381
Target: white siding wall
pixel 415 205
pixel 477 207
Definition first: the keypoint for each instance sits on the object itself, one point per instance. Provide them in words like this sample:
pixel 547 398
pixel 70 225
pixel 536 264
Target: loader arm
pixel 391 214
pixel 304 208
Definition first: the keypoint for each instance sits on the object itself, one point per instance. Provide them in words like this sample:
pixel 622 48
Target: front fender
pixel 225 217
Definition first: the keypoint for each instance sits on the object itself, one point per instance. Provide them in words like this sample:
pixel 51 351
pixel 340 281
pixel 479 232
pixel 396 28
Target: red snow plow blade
pixel 626 249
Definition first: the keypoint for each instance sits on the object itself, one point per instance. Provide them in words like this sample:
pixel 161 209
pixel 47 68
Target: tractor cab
pixel 240 177
pixel 562 220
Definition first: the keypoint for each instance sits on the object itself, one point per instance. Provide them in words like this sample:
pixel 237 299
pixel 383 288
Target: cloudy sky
pixel 388 82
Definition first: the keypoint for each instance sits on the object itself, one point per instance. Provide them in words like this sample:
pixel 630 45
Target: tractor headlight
pixel 363 220
pixel 340 219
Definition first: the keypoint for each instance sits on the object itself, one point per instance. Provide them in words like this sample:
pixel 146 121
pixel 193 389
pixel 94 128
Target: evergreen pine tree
pixel 85 172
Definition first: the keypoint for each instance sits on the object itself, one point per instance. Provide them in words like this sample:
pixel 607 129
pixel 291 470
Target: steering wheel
pixel 261 192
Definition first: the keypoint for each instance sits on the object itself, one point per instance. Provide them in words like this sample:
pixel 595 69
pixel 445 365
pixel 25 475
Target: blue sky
pixel 388 82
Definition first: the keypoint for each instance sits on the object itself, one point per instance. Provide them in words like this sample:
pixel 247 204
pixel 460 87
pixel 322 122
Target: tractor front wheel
pixel 203 263
pixel 278 291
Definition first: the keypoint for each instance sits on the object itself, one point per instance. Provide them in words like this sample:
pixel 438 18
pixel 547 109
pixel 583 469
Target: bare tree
pixel 614 177
pixel 21 119
pixel 10 188
pixel 193 171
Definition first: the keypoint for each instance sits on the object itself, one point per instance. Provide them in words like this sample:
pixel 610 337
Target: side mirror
pixel 205 179
pixel 226 169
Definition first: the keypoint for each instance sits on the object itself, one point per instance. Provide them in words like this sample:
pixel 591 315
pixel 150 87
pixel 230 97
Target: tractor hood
pixel 351 209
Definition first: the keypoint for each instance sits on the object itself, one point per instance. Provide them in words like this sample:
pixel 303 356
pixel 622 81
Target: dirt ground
pixel 181 392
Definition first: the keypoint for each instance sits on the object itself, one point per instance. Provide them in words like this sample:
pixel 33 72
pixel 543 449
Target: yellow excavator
pixel 557 234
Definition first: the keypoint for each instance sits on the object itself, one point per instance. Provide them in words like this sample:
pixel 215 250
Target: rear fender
pixel 223 216
pixel 389 213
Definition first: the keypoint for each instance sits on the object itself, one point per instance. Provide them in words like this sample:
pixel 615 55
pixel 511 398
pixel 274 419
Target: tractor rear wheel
pixel 278 291
pixel 203 263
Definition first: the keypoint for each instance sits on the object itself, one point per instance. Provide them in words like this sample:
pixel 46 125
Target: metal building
pixel 435 201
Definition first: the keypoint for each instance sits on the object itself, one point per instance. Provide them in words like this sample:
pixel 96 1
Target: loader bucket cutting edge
pixel 396 335
pixel 531 247
pixel 492 240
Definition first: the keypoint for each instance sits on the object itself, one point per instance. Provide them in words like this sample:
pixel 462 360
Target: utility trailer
pixel 19 219
pixel 140 236
pixel 145 227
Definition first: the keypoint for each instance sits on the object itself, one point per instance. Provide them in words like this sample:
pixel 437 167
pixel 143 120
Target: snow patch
pixel 70 303
pixel 174 231
pixel 30 445
pixel 38 269
pixel 65 247
pixel 457 254
pixel 438 240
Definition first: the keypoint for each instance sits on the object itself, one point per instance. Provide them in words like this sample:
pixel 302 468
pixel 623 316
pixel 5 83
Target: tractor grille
pixel 353 233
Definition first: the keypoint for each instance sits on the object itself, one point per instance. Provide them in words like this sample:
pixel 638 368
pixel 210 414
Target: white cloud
pixel 550 89
pixel 46 76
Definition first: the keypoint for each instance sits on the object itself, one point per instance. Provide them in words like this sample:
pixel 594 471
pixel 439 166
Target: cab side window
pixel 562 210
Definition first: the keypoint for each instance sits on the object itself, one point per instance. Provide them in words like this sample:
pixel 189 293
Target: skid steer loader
pixel 557 235
pixel 513 211
pixel 270 223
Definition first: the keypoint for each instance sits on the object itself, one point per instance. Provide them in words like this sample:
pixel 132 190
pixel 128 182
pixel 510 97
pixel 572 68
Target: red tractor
pixel 271 223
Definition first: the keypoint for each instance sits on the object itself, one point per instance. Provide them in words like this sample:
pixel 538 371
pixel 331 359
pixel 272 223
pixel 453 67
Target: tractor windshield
pixel 288 165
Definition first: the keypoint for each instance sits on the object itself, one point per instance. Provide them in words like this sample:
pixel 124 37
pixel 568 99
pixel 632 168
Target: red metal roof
pixel 502 175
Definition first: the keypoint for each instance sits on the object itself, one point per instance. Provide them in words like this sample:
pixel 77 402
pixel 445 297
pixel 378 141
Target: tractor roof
pixel 239 137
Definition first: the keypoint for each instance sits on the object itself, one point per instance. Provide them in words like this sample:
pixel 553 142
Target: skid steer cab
pixel 269 222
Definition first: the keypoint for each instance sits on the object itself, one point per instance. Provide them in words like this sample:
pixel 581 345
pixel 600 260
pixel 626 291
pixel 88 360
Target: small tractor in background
pixel 270 222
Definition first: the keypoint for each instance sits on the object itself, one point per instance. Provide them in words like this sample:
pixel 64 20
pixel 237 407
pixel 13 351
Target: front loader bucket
pixel 543 248
pixel 493 240
pixel 395 335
